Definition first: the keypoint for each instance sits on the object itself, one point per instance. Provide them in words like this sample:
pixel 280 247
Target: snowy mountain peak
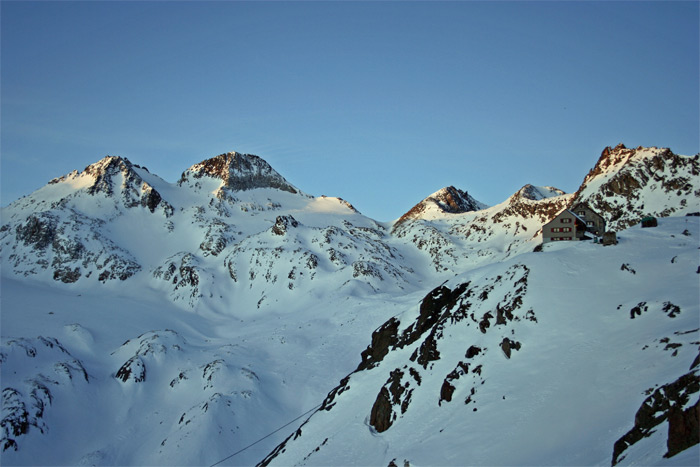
pixel 536 193
pixel 628 184
pixel 112 180
pixel 238 172
pixel 448 200
pixel 97 177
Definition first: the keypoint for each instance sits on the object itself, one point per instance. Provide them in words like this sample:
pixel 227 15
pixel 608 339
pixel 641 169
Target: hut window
pixel 566 221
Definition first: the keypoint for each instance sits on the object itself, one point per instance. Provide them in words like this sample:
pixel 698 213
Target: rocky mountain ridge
pixel 617 186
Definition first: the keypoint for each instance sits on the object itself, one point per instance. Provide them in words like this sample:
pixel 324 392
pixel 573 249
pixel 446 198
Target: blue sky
pixel 380 103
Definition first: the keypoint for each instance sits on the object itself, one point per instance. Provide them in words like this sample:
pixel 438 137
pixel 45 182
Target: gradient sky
pixel 380 103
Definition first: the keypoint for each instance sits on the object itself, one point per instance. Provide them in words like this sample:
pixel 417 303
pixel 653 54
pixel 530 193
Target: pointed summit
pixel 113 177
pixel 448 200
pixel 238 172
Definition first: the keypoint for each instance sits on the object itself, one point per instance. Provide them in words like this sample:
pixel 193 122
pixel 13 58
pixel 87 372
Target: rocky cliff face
pixel 628 184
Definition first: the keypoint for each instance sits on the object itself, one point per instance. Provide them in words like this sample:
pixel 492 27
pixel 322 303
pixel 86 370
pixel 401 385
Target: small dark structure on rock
pixel 649 221
pixel 609 238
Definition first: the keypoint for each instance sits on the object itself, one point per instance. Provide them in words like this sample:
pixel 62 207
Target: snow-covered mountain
pixel 629 184
pixel 469 238
pixel 149 322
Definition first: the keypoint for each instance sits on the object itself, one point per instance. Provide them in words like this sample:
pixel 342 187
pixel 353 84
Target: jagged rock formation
pixel 669 404
pixel 624 181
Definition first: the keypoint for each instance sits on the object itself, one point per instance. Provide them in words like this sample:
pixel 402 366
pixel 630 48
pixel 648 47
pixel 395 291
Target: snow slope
pixel 519 363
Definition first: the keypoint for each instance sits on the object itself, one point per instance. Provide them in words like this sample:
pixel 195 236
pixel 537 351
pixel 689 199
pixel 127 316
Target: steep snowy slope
pixel 539 360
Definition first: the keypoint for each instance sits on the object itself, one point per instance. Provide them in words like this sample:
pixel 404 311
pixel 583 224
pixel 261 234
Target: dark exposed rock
pixel 37 231
pixel 670 309
pixel 637 310
pixel 473 351
pixel 447 389
pixel 683 431
pixel 16 421
pixel 508 345
pixel 664 403
pixel 439 300
pixel 283 224
pixel 133 369
pixel 24 406
pixel 446 392
pixel 150 198
pixel 485 322
pixel 66 275
pixel 183 271
pixel 427 352
pixel 338 390
pixel 383 338
pixel 365 269
pixel 392 393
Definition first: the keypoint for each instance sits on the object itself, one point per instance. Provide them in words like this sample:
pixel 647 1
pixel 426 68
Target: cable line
pixel 266 436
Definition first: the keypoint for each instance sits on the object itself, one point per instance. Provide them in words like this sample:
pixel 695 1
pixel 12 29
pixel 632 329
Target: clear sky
pixel 380 103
